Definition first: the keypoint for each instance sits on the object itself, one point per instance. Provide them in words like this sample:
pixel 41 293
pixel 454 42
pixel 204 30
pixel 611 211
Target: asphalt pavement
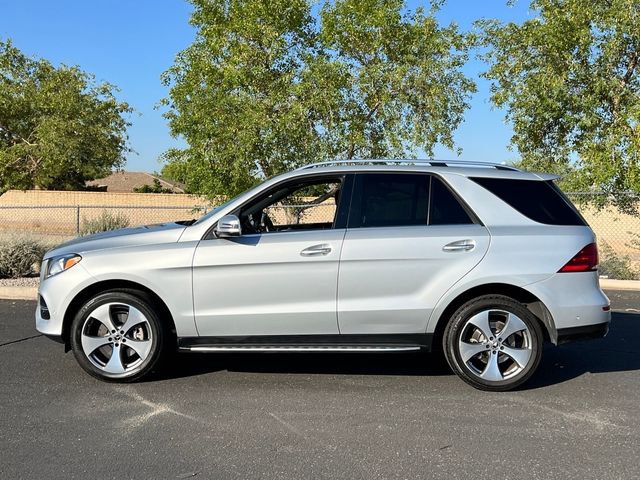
pixel 319 415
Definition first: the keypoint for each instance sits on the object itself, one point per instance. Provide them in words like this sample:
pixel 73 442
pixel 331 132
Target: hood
pixel 125 237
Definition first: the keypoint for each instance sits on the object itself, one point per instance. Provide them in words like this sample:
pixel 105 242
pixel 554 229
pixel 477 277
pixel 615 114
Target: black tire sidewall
pixel 454 329
pixel 137 300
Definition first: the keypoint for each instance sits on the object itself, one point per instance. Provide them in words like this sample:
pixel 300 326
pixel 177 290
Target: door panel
pixel 391 278
pixel 267 284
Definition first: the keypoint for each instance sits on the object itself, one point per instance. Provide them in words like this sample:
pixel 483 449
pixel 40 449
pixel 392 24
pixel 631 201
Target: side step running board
pixel 308 343
pixel 301 348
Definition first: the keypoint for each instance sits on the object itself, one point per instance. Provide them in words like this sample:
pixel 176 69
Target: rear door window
pixel 540 201
pixel 386 200
pixel 404 199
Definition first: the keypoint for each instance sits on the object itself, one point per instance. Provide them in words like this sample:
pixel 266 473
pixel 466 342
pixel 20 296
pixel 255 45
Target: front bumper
pixel 55 294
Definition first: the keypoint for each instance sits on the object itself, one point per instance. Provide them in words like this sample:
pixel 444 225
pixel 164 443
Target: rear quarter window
pixel 541 201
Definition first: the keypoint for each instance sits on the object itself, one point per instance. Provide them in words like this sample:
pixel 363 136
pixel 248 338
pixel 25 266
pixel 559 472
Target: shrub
pixel 106 221
pixel 615 266
pixel 20 256
pixel 155 188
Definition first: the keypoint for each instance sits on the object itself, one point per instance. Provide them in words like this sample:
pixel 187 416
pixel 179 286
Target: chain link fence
pixel 71 220
pixel 617 229
pixel 616 223
pixel 302 213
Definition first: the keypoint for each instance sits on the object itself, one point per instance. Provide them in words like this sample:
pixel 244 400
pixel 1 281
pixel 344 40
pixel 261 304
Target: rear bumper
pixel 584 332
pixel 574 300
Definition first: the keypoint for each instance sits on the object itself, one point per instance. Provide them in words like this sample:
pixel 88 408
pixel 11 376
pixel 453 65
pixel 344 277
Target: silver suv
pixel 484 261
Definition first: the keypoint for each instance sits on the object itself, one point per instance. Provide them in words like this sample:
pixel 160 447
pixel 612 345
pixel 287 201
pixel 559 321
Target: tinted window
pixel 539 200
pixel 445 208
pixel 383 200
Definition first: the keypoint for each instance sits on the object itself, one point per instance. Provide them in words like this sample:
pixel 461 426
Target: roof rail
pixel 433 163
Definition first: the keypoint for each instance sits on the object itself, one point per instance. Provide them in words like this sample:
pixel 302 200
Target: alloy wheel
pixel 116 338
pixel 495 345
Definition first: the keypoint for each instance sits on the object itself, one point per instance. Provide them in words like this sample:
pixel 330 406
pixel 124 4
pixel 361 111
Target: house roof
pixel 122 181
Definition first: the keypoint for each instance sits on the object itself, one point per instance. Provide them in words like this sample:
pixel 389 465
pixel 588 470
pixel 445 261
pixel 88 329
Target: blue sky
pixel 130 43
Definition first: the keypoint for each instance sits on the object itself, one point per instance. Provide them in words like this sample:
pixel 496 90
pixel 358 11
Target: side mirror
pixel 228 226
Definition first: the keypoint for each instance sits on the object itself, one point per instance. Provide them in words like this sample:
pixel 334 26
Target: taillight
pixel 586 260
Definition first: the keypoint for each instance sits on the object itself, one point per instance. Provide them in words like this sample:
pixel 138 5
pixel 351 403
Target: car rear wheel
pixel 117 336
pixel 493 343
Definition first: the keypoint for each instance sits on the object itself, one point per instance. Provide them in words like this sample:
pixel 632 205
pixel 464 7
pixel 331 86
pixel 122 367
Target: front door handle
pixel 315 250
pixel 460 246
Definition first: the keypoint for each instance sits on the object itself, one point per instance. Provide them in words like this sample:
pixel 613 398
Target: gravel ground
pixel 20 282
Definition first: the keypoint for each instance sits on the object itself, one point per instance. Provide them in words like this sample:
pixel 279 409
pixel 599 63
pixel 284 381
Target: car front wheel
pixel 493 343
pixel 117 336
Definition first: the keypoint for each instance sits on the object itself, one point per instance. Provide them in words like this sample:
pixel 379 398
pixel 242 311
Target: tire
pixel 122 323
pixel 489 360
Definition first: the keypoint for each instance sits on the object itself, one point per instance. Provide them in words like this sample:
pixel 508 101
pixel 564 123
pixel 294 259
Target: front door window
pixel 311 205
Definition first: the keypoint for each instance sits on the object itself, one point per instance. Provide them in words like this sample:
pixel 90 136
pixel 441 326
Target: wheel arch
pixel 528 299
pixel 106 286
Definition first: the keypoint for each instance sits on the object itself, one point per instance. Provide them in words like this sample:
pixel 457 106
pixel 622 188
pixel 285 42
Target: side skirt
pixel 308 343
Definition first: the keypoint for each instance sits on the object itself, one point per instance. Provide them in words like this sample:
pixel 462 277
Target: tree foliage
pixel 397 80
pixel 266 87
pixel 568 79
pixel 58 127
pixel 156 187
pixel 236 94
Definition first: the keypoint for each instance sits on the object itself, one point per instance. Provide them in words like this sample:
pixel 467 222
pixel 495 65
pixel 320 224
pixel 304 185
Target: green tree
pixel 396 79
pixel 568 79
pixel 58 127
pixel 236 96
pixel 267 87
pixel 155 188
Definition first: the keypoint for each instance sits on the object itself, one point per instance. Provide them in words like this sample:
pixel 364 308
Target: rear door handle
pixel 460 246
pixel 315 250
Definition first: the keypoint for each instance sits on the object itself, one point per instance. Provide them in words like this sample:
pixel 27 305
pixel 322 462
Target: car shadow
pixel 399 364
pixel 616 352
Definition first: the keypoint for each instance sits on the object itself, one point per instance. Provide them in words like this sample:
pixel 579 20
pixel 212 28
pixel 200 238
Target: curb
pixel 19 293
pixel 31 293
pixel 610 284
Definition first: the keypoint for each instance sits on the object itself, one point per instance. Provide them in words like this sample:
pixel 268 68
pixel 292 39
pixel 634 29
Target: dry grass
pixel 617 230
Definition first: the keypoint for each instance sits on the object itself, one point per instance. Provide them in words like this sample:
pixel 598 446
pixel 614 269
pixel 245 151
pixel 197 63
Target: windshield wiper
pixel 186 223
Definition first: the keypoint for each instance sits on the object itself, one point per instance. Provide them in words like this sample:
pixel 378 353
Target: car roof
pixel 467 170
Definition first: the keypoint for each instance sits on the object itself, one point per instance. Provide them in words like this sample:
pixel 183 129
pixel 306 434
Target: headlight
pixel 59 264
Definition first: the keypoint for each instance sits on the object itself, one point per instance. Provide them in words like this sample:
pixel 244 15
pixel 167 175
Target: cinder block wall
pixel 56 198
